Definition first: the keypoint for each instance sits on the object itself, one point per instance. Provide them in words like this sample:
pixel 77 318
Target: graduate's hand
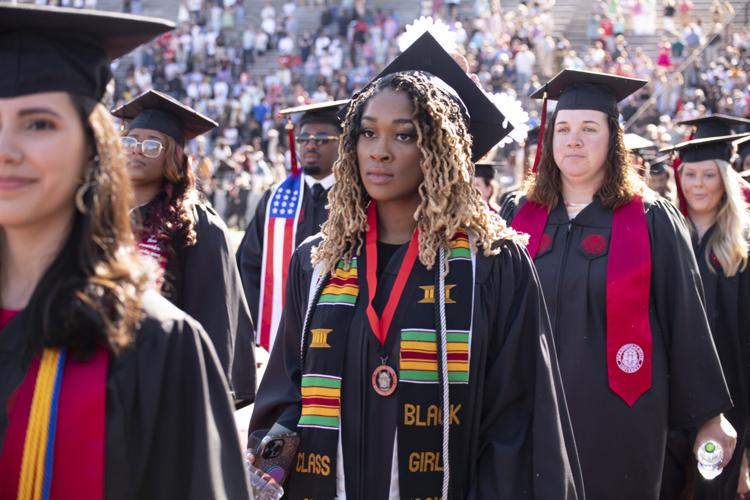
pixel 250 458
pixel 717 429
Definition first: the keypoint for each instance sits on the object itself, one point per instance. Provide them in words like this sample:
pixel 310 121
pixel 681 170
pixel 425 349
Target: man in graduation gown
pixel 266 248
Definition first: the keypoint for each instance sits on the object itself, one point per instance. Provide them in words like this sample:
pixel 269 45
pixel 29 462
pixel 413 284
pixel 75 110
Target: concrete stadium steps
pixel 571 18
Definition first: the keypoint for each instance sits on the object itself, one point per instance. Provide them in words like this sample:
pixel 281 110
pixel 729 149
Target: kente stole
pixel 418 392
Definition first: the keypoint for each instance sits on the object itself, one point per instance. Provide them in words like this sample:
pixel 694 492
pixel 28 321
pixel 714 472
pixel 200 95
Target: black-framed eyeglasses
pixel 320 139
pixel 150 148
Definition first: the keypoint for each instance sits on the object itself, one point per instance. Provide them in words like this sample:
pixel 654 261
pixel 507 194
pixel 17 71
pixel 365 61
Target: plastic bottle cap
pixel 710 447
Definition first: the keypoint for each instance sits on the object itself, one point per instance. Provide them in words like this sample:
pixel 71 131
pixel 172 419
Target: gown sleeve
pixel 212 294
pixel 698 390
pixel 170 428
pixel 250 256
pixel 279 395
pixel 526 446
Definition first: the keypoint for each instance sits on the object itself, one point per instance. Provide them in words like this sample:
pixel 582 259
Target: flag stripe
pixel 266 299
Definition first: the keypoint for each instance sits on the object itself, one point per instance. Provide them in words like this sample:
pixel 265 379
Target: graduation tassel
pixel 542 125
pixel 292 151
pixel 444 381
pixel 682 201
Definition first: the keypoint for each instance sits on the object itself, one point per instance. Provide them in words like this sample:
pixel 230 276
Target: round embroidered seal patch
pixel 630 358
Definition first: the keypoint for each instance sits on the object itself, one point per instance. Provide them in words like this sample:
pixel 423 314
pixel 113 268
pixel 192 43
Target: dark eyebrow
pixel 585 121
pixel 397 120
pixel 36 111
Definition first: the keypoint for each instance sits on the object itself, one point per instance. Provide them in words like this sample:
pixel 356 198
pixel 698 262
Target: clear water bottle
pixel 262 488
pixel 710 455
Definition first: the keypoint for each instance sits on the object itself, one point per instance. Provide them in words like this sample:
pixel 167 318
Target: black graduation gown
pixel 728 311
pixel 622 448
pixel 250 252
pixel 170 432
pixel 516 420
pixel 207 286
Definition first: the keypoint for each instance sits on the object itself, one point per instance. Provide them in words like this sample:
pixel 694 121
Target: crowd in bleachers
pixel 213 62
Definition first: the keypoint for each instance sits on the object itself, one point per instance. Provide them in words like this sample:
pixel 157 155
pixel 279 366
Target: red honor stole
pixel 380 325
pixel 629 353
pixel 54 444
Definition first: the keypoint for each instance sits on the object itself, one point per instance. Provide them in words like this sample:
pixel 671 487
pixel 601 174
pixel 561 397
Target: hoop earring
pixel 80 194
pixel 85 185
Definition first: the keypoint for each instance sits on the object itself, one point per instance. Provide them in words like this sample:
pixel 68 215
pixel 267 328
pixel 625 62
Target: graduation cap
pixel 532 136
pixel 576 89
pixel 743 147
pixel 710 148
pixel 155 110
pixel 321 112
pixel 485 122
pixel 486 169
pixel 659 164
pixel 48 49
pixel 716 125
pixel 634 142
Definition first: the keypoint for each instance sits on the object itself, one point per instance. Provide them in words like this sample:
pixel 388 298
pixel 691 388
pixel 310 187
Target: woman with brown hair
pixel 414 356
pixel 106 390
pixel 623 294
pixel 186 237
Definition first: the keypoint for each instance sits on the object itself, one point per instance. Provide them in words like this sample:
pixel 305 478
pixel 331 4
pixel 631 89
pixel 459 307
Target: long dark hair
pixel 169 217
pixel 90 294
pixel 621 181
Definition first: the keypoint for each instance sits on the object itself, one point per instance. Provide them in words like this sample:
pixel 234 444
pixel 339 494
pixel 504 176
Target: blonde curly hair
pixel 449 200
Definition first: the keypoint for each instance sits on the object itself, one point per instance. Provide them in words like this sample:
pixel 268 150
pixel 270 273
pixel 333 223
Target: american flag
pixel 280 231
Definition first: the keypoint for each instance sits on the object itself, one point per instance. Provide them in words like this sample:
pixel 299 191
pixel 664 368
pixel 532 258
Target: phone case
pixel 275 455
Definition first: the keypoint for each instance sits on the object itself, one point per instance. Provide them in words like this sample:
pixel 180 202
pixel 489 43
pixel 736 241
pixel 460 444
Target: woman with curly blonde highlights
pixel 187 238
pixel 413 353
pixel 117 390
pixel 448 199
pixel 619 279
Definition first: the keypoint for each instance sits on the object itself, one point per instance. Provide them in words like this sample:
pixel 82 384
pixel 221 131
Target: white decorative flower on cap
pixel 514 114
pixel 437 28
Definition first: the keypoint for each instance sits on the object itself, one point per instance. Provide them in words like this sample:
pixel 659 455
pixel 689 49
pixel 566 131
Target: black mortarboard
pixel 320 112
pixel 715 125
pixel 532 136
pixel 658 165
pixel 48 49
pixel 486 169
pixel 743 147
pixel 710 148
pixel 486 123
pixel 154 110
pixel 634 142
pixel 575 89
